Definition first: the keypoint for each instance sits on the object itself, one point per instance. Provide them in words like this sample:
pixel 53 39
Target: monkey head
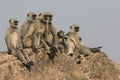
pixel 74 28
pixel 45 17
pixel 31 16
pixel 60 33
pixel 13 22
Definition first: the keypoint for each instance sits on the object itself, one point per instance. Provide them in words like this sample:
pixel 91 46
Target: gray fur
pixel 25 28
pixel 13 42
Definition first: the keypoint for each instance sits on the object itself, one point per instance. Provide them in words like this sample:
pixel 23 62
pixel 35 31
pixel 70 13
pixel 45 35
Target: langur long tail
pixel 97 49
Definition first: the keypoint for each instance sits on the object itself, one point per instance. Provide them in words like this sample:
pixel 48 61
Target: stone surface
pixel 95 67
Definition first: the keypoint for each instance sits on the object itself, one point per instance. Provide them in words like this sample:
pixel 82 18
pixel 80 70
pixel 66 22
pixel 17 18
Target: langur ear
pixel 40 14
pixel 57 33
pixel 28 15
pixel 10 21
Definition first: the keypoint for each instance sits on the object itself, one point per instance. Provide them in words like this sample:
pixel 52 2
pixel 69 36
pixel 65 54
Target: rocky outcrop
pixel 95 67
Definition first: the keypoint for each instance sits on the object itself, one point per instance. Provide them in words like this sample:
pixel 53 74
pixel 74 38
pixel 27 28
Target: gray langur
pixel 74 45
pixel 44 32
pixel 73 40
pixel 50 30
pixel 61 40
pixel 13 43
pixel 26 42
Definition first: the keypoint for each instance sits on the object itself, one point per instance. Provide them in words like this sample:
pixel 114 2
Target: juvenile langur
pixel 13 43
pixel 27 43
pixel 61 40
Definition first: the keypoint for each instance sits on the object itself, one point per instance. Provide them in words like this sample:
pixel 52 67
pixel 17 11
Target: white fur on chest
pixel 14 39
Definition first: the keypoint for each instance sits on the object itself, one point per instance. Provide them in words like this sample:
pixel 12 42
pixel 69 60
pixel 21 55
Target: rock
pixel 62 67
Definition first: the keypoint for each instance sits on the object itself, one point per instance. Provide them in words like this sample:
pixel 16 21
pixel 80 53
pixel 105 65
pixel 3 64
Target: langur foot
pixel 31 63
pixel 27 66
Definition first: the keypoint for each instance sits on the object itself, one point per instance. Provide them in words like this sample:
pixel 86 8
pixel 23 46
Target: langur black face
pixel 13 22
pixel 76 29
pixel 45 17
pixel 48 18
pixel 34 16
pixel 60 33
pixel 31 16
pixel 16 23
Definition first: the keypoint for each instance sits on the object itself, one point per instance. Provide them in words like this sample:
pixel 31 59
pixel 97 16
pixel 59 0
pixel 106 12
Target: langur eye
pixel 15 21
pixel 76 27
pixel 50 18
pixel 34 15
pixel 50 15
pixel 45 17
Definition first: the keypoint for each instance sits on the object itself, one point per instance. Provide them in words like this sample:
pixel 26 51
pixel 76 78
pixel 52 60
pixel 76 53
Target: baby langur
pixel 13 43
pixel 26 42
pixel 61 40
